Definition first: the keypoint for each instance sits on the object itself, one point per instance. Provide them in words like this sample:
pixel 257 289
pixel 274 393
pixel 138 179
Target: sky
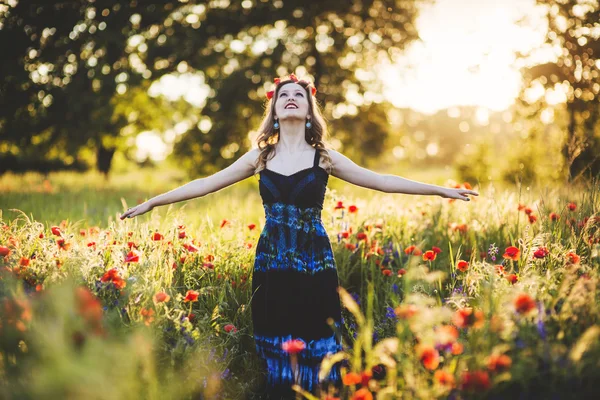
pixel 465 58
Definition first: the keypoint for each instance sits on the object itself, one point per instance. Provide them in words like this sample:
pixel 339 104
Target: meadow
pixel 493 298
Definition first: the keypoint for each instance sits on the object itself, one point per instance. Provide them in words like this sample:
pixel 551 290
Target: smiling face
pixel 292 102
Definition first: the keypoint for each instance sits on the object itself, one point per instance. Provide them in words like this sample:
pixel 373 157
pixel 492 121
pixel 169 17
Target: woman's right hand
pixel 137 210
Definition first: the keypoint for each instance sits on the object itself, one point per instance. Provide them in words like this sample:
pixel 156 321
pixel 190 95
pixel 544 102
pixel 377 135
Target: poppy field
pixel 493 298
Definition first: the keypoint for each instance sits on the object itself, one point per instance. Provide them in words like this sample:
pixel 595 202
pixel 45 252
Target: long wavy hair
pixel 268 136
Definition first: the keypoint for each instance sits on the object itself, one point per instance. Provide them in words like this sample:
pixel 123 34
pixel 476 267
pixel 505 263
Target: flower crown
pixel 293 77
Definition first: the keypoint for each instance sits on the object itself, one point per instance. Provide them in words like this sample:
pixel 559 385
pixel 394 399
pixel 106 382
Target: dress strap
pixel 316 161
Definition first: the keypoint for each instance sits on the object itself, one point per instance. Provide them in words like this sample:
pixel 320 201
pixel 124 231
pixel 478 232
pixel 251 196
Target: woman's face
pixel 292 102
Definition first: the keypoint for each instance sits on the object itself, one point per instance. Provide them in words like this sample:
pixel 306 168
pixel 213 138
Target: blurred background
pixel 478 90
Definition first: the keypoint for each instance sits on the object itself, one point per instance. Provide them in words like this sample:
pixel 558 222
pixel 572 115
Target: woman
pixel 295 301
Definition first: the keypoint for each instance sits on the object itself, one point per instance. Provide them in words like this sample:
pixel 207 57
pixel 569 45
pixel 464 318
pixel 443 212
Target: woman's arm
pixel 241 169
pixel 346 169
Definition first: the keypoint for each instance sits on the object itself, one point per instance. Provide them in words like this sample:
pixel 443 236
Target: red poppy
pixel 230 328
pixel 224 222
pixel 401 272
pixel 63 245
pixel 457 348
pixel 362 394
pixel 444 378
pixel 24 261
pixel 4 251
pixel 157 236
pixel 499 362
pixel 429 255
pixel 528 210
pixel 475 381
pixel 409 249
pixel 512 252
pixel 148 315
pixel 554 216
pixel 462 265
pixel 541 252
pixel 532 219
pixel 512 278
pixel 191 295
pixel 405 311
pixel 293 346
pixel 350 246
pixel 429 356
pixel 436 250
pixel 467 317
pixel 251 226
pixel 56 230
pixel 572 206
pixel 351 378
pixel 339 205
pixel 524 303
pixel 161 297
pixel 573 258
pixel 132 256
pixel 190 247
pixel 352 209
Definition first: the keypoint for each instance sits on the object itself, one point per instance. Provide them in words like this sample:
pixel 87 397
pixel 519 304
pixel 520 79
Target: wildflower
pixel 512 253
pixel 401 272
pixel 429 255
pixel 462 265
pixel 524 303
pixel 230 328
pixel 444 378
pixel 532 219
pixel 361 236
pixel 351 378
pixel 293 346
pixel 428 356
pixel 223 223
pixel 362 394
pixel 554 216
pixel 148 315
pixel 466 317
pixel 56 231
pixel 499 269
pixel 161 297
pixel 498 362
pixel 541 252
pixel 339 205
pixel 132 256
pixel 251 226
pixel 4 251
pixel 157 236
pixel 406 311
pixel 63 245
pixel 572 206
pixel 475 381
pixel 457 348
pixel 387 272
pixel 573 258
pixel 512 278
pixel 352 209
pixel 181 235
pixel 191 295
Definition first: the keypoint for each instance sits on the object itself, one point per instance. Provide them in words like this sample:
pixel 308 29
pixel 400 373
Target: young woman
pixel 295 301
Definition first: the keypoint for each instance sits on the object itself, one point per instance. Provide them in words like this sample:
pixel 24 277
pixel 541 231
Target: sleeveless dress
pixel 294 280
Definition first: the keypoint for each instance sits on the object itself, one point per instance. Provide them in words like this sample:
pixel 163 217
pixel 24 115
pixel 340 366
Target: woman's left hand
pixel 460 194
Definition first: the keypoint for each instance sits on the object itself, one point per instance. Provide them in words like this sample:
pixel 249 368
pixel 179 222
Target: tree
pixel 571 26
pixel 77 59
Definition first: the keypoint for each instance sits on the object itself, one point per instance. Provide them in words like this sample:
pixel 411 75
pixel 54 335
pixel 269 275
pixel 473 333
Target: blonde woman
pixel 294 278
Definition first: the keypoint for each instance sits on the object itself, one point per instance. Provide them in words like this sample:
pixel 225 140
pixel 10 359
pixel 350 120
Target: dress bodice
pixel 305 188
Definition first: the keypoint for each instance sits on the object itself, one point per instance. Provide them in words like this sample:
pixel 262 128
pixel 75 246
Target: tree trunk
pixel 103 159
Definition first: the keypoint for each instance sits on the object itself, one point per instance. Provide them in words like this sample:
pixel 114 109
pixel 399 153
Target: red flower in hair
pixel 293 77
pixel 277 80
pixel 270 94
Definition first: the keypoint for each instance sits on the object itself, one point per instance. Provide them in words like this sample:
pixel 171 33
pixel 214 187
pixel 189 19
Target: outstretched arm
pixel 346 169
pixel 241 169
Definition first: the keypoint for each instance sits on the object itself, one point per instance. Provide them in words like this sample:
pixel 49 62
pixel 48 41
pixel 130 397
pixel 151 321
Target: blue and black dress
pixel 294 281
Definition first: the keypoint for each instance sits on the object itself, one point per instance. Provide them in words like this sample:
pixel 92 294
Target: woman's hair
pixel 315 135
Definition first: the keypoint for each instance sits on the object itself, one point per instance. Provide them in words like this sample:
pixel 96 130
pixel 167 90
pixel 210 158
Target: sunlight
pixel 466 56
